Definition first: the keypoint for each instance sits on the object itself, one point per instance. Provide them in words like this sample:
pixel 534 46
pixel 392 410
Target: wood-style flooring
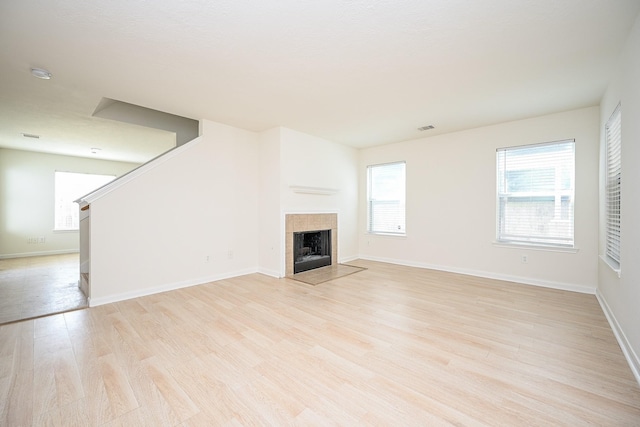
pixel 388 346
pixel 38 286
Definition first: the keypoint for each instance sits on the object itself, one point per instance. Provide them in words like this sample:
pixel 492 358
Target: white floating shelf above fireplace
pixel 313 190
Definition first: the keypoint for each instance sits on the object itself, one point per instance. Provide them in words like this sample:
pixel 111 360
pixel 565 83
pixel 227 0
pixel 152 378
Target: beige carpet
pixel 324 274
pixel 38 286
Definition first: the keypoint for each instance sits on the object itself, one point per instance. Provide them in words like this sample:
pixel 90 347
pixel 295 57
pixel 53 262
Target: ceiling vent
pixel 30 135
pixel 428 127
pixel 41 73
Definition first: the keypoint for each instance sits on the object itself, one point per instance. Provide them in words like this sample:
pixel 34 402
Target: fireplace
pixel 312 249
pixel 310 223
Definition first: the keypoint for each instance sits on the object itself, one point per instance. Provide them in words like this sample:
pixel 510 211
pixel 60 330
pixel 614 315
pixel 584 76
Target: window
pixel 612 186
pixel 535 194
pixel 386 198
pixel 71 186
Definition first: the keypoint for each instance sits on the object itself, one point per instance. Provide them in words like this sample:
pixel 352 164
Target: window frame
pixel 562 212
pixel 400 201
pixel 613 187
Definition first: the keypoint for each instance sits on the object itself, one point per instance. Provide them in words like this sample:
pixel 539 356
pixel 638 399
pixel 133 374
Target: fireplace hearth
pixel 312 249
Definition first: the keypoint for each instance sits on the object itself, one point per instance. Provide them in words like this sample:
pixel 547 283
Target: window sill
pixel 612 264
pixel 545 248
pixel 371 233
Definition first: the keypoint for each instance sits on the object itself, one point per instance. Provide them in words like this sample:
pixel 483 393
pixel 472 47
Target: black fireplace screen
pixel 311 249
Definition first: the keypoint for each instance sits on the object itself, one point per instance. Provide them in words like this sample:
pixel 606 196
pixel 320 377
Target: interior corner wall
pixel 309 161
pixel 271 233
pixel 190 220
pixel 451 203
pixel 27 200
pixel 620 296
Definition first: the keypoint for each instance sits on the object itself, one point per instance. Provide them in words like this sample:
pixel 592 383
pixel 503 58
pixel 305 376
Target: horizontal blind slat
pixel 613 135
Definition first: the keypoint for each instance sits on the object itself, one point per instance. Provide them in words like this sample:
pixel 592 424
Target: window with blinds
pixel 535 194
pixel 386 198
pixel 612 185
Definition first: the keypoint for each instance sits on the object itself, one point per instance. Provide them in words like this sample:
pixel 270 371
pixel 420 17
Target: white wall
pixel 27 199
pixel 214 208
pixel 309 161
pixel 271 232
pixel 620 296
pixel 451 203
pixel 155 232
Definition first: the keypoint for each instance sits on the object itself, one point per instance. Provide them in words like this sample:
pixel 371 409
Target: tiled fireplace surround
pixel 295 223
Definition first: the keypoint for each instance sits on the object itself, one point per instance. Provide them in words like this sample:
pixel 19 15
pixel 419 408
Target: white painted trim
pixel 632 358
pixel 271 273
pixel 310 212
pixel 94 302
pixel 42 253
pixel 612 265
pixel 532 247
pixel 141 170
pixel 313 190
pixel 489 275
pixel 391 235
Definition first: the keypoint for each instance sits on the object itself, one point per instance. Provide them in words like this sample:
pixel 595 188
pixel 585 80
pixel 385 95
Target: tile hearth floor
pixel 38 286
pixel 324 274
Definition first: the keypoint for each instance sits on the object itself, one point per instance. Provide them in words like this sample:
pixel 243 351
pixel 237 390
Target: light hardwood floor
pixel 39 286
pixel 390 345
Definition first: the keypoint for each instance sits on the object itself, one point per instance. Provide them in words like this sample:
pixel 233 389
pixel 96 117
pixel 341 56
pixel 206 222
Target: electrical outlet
pixel 207 258
pixel 41 239
pixel 524 259
pixel 230 254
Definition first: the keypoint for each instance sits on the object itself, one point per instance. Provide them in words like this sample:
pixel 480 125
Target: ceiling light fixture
pixel 428 127
pixel 41 73
pixel 95 150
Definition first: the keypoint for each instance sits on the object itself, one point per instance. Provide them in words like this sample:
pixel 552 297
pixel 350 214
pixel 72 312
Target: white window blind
pixel 613 172
pixel 536 194
pixel 386 198
pixel 70 186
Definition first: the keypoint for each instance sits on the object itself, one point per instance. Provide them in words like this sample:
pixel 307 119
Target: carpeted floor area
pixel 39 286
pixel 324 274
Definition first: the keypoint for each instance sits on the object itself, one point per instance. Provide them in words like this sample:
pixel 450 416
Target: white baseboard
pixel 94 302
pixel 489 275
pixel 271 273
pixel 41 253
pixel 632 358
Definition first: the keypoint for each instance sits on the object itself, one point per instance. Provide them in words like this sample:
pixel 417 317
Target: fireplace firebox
pixel 311 249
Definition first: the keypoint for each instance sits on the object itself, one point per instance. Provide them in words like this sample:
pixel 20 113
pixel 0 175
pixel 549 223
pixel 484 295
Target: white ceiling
pixel 359 72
